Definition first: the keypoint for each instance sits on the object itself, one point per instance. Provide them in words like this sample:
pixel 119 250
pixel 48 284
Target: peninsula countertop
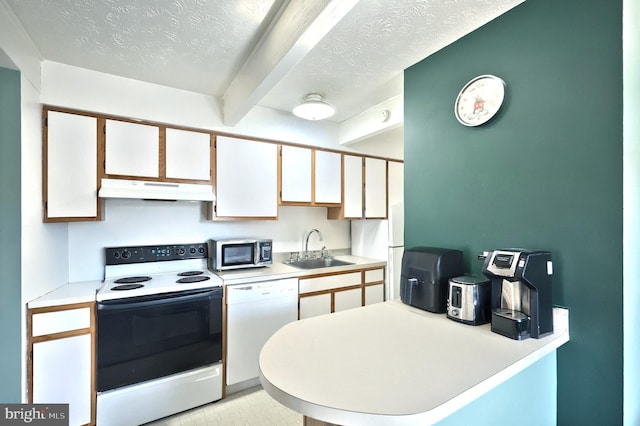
pixel 392 364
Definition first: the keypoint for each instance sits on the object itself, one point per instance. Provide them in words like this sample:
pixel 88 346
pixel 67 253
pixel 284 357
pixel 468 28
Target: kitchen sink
pixel 316 263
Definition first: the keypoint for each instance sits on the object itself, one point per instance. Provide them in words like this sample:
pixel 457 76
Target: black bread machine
pixel 425 275
pixel 521 304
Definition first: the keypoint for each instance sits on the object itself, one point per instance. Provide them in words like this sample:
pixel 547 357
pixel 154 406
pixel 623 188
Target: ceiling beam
pixel 296 29
pixel 378 119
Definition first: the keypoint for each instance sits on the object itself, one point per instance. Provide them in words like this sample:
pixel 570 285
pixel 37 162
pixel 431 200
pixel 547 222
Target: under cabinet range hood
pixel 147 190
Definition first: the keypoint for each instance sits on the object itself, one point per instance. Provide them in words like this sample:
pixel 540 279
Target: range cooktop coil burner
pixel 127 287
pixel 193 279
pixel 131 280
pixel 190 273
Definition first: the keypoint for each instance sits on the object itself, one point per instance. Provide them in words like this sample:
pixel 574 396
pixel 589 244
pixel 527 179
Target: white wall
pixel 137 222
pixel 631 215
pixel 44 247
pixel 134 222
pixel 78 88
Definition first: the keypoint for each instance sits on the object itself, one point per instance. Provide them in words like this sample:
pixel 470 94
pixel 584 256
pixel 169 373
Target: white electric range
pixel 159 333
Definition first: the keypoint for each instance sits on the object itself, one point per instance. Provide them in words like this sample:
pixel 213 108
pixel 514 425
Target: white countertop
pixel 79 292
pixel 279 270
pixel 392 364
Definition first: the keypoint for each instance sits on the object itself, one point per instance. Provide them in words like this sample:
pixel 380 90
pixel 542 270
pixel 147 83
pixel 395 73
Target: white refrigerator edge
pixel 383 240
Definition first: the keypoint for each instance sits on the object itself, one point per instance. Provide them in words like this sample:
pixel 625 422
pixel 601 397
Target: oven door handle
pixel 158 299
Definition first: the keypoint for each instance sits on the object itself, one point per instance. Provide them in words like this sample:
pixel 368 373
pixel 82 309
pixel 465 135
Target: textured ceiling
pixel 201 45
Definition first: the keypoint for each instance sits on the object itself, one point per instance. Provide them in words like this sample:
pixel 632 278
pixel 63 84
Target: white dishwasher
pixel 254 312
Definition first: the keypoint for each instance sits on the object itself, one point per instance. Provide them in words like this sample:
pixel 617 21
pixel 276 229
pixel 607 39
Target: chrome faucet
pixel 306 241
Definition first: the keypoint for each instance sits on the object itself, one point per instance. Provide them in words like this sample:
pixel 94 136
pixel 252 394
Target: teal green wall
pixel 546 173
pixel 10 312
pixel 541 402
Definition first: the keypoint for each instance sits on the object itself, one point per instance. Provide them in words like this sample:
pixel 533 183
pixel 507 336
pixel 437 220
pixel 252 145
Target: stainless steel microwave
pixel 236 253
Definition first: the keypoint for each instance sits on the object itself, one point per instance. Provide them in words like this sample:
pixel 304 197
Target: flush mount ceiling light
pixel 313 108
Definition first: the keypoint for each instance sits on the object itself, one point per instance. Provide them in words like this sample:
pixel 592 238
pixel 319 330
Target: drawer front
pixel 374 275
pixel 60 321
pixel 330 282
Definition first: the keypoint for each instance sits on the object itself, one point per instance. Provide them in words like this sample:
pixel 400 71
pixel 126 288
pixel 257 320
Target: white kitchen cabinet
pixel 188 155
pixel 395 183
pixel 310 176
pixel 347 299
pixel 330 293
pixel 353 194
pixel 246 179
pixel 328 177
pixel 375 184
pixel 374 286
pixel 313 306
pixel 61 360
pixel 132 149
pixel 70 167
pixel 373 294
pixel 295 173
pixel 364 189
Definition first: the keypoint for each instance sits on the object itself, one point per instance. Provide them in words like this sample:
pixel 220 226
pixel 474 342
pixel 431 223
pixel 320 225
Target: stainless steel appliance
pixel 521 293
pixel 425 276
pixel 236 253
pixel 469 300
pixel 159 333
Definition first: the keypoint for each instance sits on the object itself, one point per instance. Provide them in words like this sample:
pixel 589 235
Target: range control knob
pixel 181 251
pixel 192 250
pixel 126 254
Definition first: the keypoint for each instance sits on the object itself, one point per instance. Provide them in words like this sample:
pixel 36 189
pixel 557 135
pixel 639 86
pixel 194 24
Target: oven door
pixel 147 337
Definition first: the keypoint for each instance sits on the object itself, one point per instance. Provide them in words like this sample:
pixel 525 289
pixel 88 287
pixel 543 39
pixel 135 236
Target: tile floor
pixel 249 407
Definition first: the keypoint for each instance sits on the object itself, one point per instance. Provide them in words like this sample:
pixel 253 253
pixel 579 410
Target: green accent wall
pixel 10 300
pixel 545 173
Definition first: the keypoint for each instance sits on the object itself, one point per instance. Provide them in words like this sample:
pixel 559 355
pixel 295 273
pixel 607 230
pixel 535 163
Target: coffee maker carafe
pixel 521 304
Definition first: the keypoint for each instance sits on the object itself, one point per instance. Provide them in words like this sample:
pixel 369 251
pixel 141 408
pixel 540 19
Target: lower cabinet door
pixel 347 299
pixel 312 306
pixel 373 294
pixel 62 375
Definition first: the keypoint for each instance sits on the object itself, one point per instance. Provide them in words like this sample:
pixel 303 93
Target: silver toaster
pixel 469 300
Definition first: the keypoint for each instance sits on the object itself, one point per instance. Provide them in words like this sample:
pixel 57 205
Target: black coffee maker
pixel 521 304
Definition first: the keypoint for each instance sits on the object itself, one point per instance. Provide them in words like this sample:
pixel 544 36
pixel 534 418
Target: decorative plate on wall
pixel 480 100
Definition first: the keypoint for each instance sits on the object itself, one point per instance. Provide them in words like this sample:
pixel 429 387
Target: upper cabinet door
pixel 246 179
pixel 328 177
pixel 295 173
pixel 132 149
pixel 188 155
pixel 395 184
pixel 352 203
pixel 71 146
pixel 375 188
